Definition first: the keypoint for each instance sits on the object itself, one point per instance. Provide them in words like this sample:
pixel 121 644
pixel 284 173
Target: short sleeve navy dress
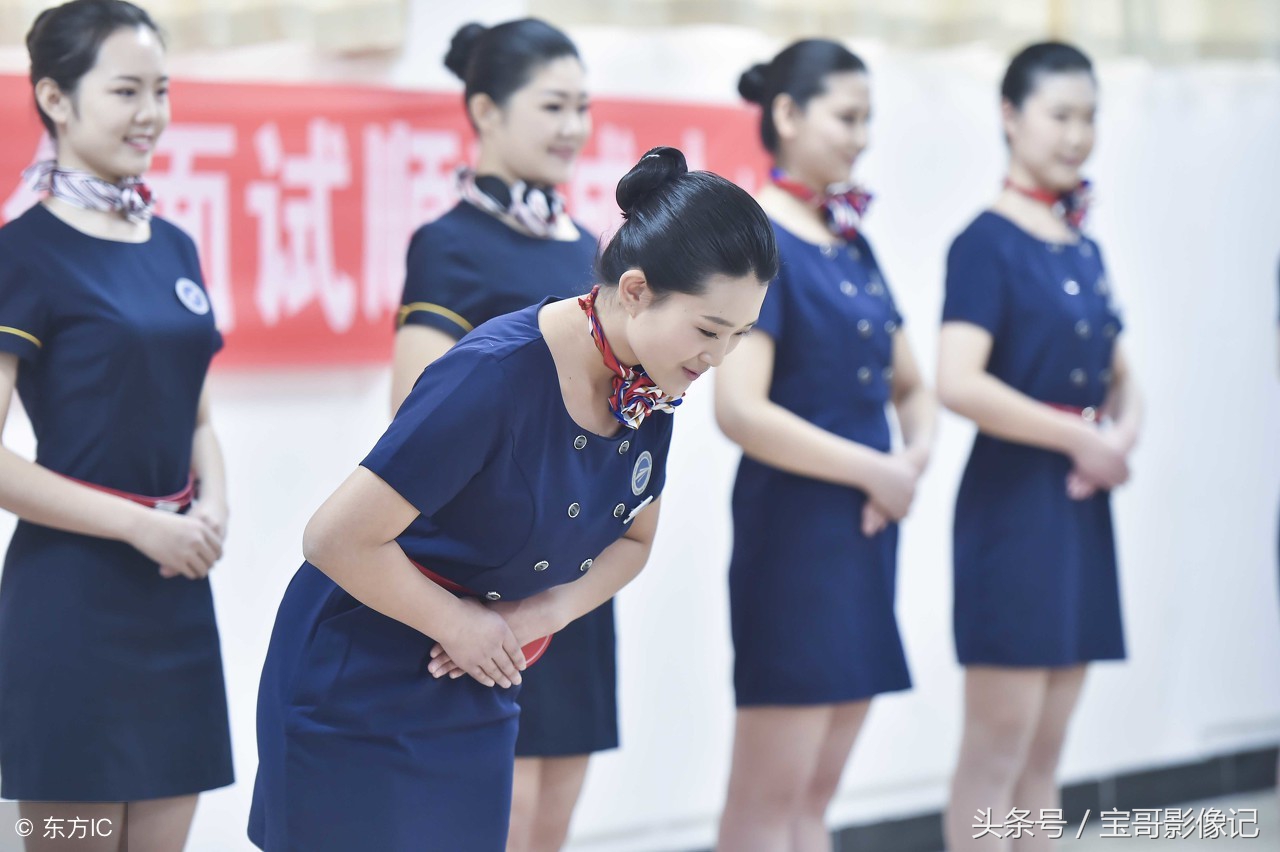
pixel 359 746
pixel 464 269
pixel 811 597
pixel 1035 571
pixel 111 685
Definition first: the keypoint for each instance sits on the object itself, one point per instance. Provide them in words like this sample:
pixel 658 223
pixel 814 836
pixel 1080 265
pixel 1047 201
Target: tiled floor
pixel 1266 805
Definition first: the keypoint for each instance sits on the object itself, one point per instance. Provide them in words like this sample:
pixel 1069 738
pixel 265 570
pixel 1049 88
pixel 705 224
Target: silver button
pixel 890 326
pixel 1101 285
pixel 1071 286
pixel 1105 376
pixel 864 327
pixel 1110 329
pixel 887 372
pixel 1054 247
pixel 848 288
pixel 1090 413
pixel 619 510
pixel 829 251
pixel 579 442
pixel 1082 329
pixel 585 565
pixel 1086 249
pixel 623 447
pixel 864 375
pixel 1077 377
pixel 855 253
pixel 541 566
pixel 875 288
pixel 493 596
pixel 574 509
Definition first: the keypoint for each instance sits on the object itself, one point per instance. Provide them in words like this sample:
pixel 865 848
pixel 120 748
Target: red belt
pixel 1089 413
pixel 532 652
pixel 179 501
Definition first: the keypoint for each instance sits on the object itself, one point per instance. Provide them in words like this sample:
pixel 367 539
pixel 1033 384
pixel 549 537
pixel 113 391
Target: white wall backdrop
pixel 1187 172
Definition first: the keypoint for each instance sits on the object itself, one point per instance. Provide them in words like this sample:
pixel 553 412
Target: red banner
pixel 302 199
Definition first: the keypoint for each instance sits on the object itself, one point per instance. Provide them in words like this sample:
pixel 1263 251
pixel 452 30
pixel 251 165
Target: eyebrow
pixel 724 322
pixel 561 93
pixel 132 79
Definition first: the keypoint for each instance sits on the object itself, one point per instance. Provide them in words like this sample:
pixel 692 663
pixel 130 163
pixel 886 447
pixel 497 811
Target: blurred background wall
pixel 1187 176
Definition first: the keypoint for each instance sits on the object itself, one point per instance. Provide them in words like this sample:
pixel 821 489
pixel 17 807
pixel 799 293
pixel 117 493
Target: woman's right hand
pixel 1099 460
pixel 481 643
pixel 182 545
pixel 893 486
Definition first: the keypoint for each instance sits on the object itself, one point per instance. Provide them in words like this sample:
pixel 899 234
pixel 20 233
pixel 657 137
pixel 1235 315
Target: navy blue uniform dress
pixel 811 597
pixel 359 746
pixel 111 681
pixel 464 269
pixel 1035 571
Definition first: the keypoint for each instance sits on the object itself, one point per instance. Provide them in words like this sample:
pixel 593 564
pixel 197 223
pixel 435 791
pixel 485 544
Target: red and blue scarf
pixel 634 396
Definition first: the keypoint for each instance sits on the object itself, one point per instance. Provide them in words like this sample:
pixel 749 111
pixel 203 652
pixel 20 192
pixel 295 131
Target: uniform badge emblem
pixel 191 296
pixel 641 472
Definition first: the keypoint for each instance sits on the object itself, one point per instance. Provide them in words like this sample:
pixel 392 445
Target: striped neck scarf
pixel 842 206
pixel 1070 206
pixel 131 198
pixel 634 396
pixel 534 210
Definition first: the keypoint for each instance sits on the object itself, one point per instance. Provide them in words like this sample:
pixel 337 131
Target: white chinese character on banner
pixel 408 181
pixel 295 234
pixel 199 202
pixel 23 197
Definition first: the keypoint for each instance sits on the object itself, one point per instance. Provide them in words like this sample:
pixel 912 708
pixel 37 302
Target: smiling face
pixel 1051 135
pixel 537 135
pixel 680 336
pixel 110 123
pixel 819 143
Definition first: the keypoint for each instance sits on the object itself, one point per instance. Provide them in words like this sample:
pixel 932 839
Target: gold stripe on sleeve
pixel 4 329
pixel 429 308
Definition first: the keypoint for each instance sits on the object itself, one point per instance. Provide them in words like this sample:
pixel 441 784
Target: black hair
pixel 498 61
pixel 1034 61
pixel 64 41
pixel 682 227
pixel 799 71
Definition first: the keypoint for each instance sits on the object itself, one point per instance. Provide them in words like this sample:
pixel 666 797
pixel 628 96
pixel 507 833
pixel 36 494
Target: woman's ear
pixel 633 291
pixel 53 102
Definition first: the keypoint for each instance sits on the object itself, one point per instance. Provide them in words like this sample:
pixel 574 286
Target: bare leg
pixel 1002 710
pixel 524 803
pixel 73 827
pixel 558 789
pixel 809 832
pixel 776 753
pixel 1037 787
pixel 160 825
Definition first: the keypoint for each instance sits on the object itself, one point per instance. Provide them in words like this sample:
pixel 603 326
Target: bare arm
pixel 965 387
pixel 351 538
pixel 1124 402
pixel 417 346
pixel 209 468
pixel 915 404
pixel 550 611
pixel 40 496
pixel 780 438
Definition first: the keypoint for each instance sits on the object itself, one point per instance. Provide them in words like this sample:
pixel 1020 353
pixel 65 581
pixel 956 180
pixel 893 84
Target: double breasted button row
pixel 580 442
pixel 542 566
pixel 865 374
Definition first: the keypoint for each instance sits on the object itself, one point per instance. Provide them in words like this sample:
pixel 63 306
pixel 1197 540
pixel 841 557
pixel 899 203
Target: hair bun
pixel 462 48
pixel 657 167
pixel 751 83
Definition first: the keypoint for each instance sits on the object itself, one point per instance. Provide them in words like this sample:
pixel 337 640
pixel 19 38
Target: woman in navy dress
pixel 505 246
pixel 516 489
pixel 820 488
pixel 111 686
pixel 1029 352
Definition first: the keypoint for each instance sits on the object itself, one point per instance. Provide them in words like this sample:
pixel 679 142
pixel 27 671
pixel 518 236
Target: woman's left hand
pixel 214 516
pixel 524 619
